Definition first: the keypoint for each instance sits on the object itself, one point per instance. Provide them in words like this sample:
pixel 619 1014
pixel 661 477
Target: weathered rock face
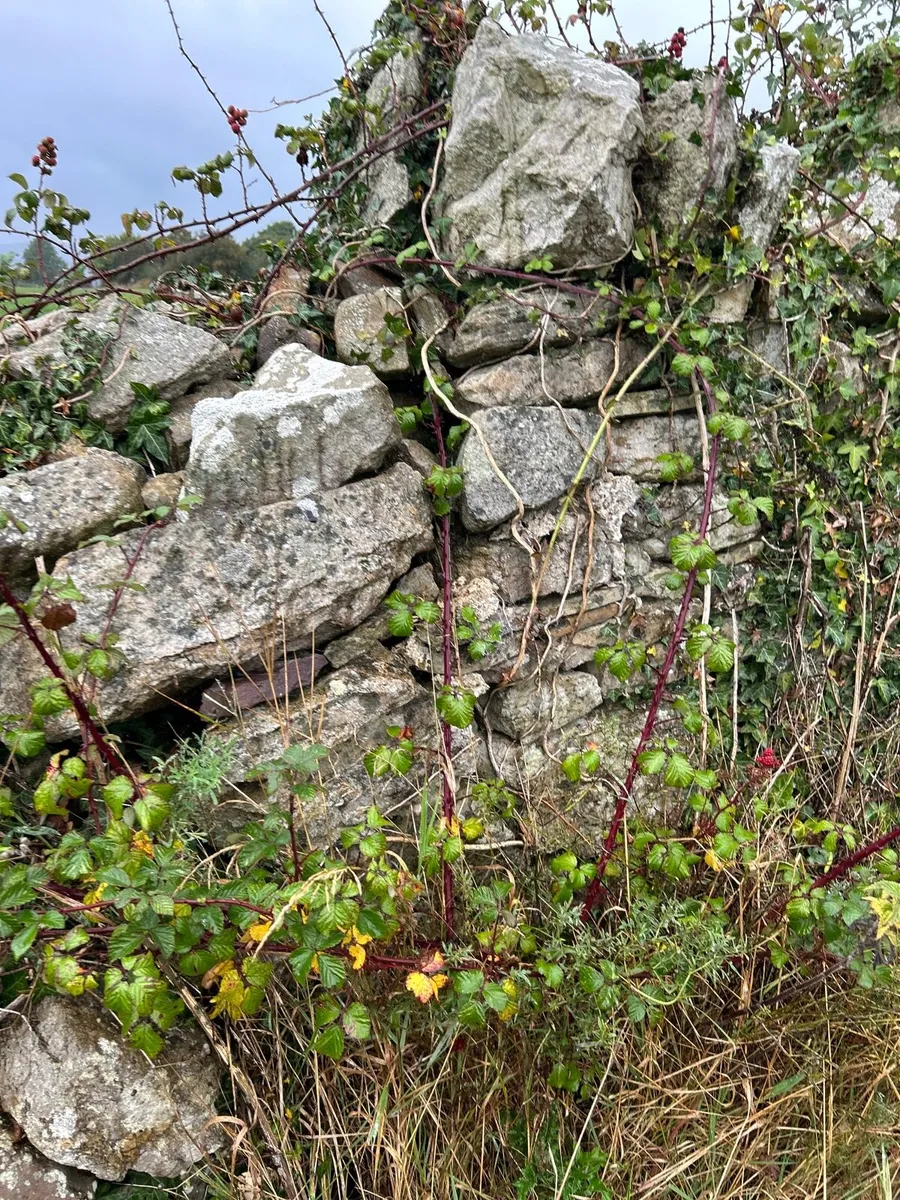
pixel 539 154
pixel 672 185
pixel 533 706
pixel 309 424
pixel 278 331
pixel 395 91
pixel 513 323
pixel 53 508
pixel 540 450
pixel 178 434
pixel 569 377
pixel 87 1100
pixel 162 491
pixel 558 814
pixel 347 713
pixel 27 1175
pixel 361 335
pixel 161 352
pixel 767 193
pixel 229 588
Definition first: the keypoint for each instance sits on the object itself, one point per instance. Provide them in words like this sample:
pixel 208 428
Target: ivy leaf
pixel 857 453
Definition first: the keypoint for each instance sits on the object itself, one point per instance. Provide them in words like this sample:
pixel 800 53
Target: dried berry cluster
pixel 237 118
pixel 46 157
pixel 678 43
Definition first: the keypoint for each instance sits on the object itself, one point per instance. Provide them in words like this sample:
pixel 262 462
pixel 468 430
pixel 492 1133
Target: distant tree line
pixel 233 259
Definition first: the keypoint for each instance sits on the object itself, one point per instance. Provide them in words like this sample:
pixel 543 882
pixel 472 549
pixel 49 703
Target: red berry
pixel 36 161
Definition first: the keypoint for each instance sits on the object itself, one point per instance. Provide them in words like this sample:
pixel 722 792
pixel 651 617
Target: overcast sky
pixel 105 79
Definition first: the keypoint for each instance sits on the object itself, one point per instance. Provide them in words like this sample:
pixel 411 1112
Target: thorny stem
pixel 594 891
pixel 106 752
pixel 447 644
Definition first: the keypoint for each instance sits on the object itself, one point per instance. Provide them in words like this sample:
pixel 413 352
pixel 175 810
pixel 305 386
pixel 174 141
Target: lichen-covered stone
pixel 766 193
pixel 348 713
pixel 147 347
pixel 518 321
pixel 394 93
pixel 309 424
pixel 223 588
pixel 539 154
pixel 51 509
pixel 278 331
pixel 529 709
pixel 86 1099
pixel 676 174
pixel 162 491
pixel 362 336
pixel 540 450
pixel 27 1175
pixel 178 433
pixel 570 377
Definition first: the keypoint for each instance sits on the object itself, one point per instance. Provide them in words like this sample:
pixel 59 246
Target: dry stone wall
pixel 313 506
pixel 313 510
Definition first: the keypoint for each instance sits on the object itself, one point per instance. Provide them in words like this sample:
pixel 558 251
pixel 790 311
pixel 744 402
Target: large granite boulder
pixel 678 170
pixel 570 377
pixel 518 321
pixel 309 424
pixel 27 1175
pixel 362 334
pixel 51 509
pixel 227 588
pixel 540 449
pixel 147 346
pixel 394 93
pixel 86 1099
pixel 539 154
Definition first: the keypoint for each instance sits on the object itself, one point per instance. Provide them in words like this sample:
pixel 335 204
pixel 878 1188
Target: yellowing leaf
pixel 230 997
pixel 355 943
pixel 143 843
pixel 712 860
pixel 425 988
pixel 885 904
pixel 434 964
pixel 257 932
pixel 512 991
